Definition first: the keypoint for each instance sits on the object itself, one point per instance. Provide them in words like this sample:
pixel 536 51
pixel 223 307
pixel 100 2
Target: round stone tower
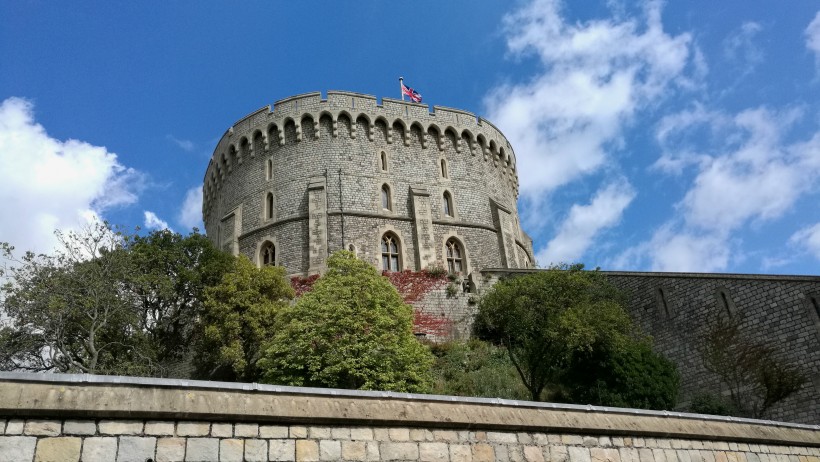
pixel 402 185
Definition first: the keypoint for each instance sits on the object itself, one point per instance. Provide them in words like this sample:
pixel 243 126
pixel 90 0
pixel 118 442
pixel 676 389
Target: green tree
pixel 71 311
pixel 475 368
pixel 351 331
pixel 168 283
pixel 757 379
pixel 239 314
pixel 547 318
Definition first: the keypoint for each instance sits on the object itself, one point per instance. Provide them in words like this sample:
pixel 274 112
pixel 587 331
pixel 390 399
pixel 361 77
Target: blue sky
pixel 677 137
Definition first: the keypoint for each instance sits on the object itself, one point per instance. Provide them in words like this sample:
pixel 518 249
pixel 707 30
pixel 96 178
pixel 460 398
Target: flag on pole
pixel 412 94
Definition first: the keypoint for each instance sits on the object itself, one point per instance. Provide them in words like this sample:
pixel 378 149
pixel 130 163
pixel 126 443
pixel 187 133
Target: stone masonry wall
pixel 83 418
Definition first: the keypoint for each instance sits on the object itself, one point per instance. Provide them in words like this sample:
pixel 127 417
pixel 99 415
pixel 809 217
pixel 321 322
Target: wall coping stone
pixel 773 277
pixel 25 394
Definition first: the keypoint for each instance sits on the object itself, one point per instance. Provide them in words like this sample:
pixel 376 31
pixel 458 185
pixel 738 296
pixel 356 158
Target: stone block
pixel 193 428
pixel 533 454
pixel 399 434
pixel 448 436
pixel 136 448
pixel 340 433
pixel 483 452
pixel 399 451
pixel 307 451
pixel 330 450
pixel 43 427
pixel 120 427
pixel 361 433
pixel 420 434
pixel 502 437
pixel 298 432
pixel 159 428
pixel 354 450
pixel 271 431
pixel 2 426
pixel 590 441
pixel 222 430
pixel 524 438
pixel 100 449
pixel 282 450
pixel 59 449
pixel 17 448
pixel 381 434
pixel 373 452
pixel 571 440
pixel 256 450
pixel 434 452
pixel 79 427
pixel 629 455
pixel 460 453
pixel 231 450
pixel 170 449
pixel 502 453
pixel 201 449
pixel 246 430
pixel 559 454
pixel 578 454
pixel 659 456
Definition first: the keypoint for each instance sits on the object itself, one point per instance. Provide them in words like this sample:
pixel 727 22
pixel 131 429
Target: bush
pixel 351 331
pixel 705 403
pixel 475 368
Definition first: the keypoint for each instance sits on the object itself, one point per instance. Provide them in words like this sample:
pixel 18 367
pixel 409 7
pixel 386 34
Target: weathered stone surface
pixel 256 450
pixel 271 431
pixel 434 452
pixel 483 453
pixel 59 449
pixel 193 428
pixel 354 450
pixel 399 434
pixel 282 450
pixel 578 454
pixel 297 431
pixel 373 452
pixel 202 450
pixel 79 427
pixel 170 449
pixel 399 451
pixel 43 427
pixel 502 437
pixel 222 430
pixel 245 430
pixel 559 454
pixel 445 435
pixel 120 427
pixel 231 450
pixel 330 450
pixel 17 448
pixel 307 450
pixel 153 428
pixel 340 433
pixel 460 453
pixel 100 449
pixel 136 449
pixel 533 454
pixel 361 433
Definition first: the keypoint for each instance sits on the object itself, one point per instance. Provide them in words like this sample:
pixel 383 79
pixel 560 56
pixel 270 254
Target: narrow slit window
pixel 269 206
pixel 816 306
pixel 443 168
pixel 386 202
pixel 447 204
pixel 663 303
pixel 269 170
pixel 383 161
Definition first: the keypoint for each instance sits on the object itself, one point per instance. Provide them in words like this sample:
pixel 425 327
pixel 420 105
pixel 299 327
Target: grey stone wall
pixel 339 139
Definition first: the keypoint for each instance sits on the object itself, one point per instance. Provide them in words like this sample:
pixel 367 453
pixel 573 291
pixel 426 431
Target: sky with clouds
pixel 650 136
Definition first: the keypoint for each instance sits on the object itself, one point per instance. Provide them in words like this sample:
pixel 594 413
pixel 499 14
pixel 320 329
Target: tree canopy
pixel 351 331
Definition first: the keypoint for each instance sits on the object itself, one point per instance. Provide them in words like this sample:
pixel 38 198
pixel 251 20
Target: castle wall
pixel 339 140
pixel 95 418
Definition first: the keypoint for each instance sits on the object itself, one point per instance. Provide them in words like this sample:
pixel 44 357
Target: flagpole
pixel 401 87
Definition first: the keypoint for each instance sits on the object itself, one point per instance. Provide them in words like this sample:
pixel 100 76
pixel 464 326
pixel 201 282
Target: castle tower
pixel 402 185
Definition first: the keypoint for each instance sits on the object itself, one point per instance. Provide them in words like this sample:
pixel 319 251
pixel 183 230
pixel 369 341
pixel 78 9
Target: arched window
pixel 447 204
pixel 269 169
pixel 390 253
pixel 443 168
pixel 455 256
pixel 383 161
pixel 386 202
pixel 269 206
pixel 267 255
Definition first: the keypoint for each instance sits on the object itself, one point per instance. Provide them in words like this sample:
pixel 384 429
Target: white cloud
pixel 585 222
pixel 185 145
pixel 809 239
pixel 152 221
pixel 190 215
pixel 813 37
pixel 47 183
pixel 595 76
pixel 739 47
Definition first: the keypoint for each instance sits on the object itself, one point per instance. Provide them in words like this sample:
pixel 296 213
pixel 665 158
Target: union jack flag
pixel 412 94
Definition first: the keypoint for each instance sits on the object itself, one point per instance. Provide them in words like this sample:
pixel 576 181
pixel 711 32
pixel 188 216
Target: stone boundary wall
pixel 96 418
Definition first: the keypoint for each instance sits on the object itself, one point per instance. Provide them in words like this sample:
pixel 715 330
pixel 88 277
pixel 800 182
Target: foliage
pixel 629 376
pixel 71 312
pixel 106 302
pixel 546 318
pixel 239 314
pixel 756 378
pixel 302 285
pixel 705 403
pixel 475 368
pixel 351 331
pixel 412 285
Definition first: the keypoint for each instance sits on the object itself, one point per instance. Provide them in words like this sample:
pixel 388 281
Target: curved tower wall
pixel 320 161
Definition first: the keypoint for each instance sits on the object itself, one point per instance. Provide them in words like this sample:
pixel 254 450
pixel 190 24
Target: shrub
pixel 475 368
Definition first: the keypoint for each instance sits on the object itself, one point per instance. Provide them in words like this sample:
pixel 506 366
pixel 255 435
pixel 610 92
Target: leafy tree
pixel 475 368
pixel 545 319
pixel 351 331
pixel 71 311
pixel 631 375
pixel 238 316
pixel 756 378
pixel 168 282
